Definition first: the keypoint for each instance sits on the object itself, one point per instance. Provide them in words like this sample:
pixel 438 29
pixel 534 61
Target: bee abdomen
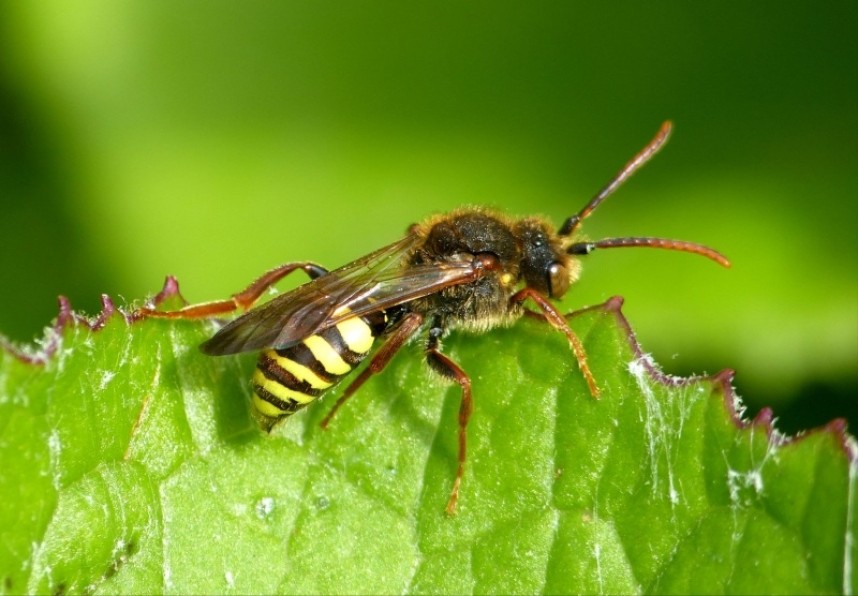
pixel 289 379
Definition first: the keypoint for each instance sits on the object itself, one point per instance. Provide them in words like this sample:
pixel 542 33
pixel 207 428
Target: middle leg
pixel 443 365
pixel 403 332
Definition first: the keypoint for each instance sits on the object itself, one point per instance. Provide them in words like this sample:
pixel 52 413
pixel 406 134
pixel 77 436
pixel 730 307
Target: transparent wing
pixel 372 283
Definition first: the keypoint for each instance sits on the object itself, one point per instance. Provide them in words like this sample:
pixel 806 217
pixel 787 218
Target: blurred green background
pixel 214 140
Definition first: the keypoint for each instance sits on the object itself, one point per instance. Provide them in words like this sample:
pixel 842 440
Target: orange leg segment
pixel 558 321
pixel 240 301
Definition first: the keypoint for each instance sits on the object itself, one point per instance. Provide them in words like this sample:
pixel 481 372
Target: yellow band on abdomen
pixel 326 355
pixel 280 391
pixel 299 371
pixel 356 334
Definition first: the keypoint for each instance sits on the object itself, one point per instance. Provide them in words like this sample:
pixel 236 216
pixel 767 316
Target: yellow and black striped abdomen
pixel 287 380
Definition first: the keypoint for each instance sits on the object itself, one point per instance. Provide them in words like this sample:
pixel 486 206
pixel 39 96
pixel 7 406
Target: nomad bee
pixel 472 268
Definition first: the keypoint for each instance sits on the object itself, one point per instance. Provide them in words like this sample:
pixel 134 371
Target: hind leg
pixel 241 301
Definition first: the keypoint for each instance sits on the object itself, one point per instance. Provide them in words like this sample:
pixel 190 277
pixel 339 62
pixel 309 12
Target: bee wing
pixel 403 286
pixel 298 313
pixel 372 283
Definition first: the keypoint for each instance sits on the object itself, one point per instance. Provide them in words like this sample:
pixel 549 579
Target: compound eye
pixel 558 280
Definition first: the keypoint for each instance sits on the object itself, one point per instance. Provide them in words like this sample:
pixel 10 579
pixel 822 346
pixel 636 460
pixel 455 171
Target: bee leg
pixel 407 327
pixel 242 300
pixel 446 367
pixel 558 321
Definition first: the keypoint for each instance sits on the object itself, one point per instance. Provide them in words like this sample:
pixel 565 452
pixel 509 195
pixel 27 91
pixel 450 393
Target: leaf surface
pixel 130 463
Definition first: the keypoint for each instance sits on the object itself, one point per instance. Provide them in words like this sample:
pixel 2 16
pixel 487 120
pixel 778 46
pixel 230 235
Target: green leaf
pixel 130 463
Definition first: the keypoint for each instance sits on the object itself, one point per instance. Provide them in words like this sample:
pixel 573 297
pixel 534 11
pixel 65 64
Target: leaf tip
pixel 614 304
pixel 169 290
pixel 764 417
pixel 840 428
pixel 42 350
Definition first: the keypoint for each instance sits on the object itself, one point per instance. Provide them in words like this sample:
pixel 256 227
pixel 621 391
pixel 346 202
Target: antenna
pixel 571 225
pixel 583 248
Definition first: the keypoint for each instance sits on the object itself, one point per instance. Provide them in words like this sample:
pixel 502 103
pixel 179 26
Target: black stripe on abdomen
pixel 288 379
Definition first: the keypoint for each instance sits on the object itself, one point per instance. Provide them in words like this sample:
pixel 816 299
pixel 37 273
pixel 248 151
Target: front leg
pixel 444 366
pixel 240 301
pixel 558 321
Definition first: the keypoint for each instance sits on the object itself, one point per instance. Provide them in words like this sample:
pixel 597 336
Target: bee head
pixel 545 265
